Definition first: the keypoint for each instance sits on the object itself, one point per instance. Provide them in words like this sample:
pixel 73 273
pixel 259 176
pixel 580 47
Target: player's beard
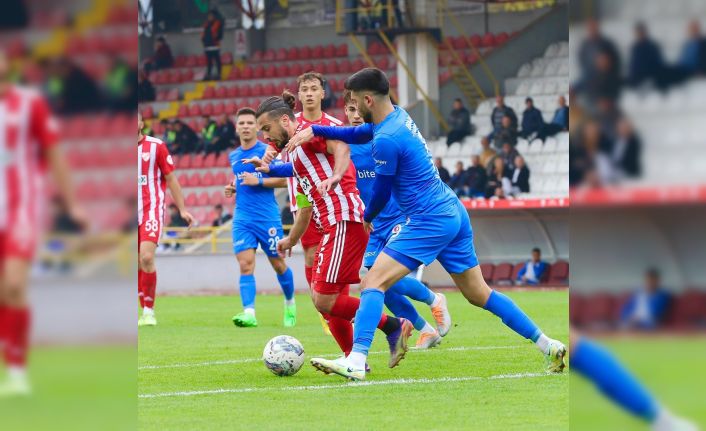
pixel 283 140
pixel 365 114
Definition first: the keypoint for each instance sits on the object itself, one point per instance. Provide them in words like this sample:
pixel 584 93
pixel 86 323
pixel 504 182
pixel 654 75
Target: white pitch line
pixel 348 385
pixel 248 360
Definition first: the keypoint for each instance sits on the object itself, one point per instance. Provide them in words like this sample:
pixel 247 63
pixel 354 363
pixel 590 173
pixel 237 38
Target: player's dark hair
pixel 278 105
pixel 309 76
pixel 653 272
pixel 537 250
pixel 245 111
pixel 369 79
pixel 347 98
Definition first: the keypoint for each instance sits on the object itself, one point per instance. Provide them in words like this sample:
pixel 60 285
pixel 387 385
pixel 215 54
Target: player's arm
pixel 341 159
pixel 386 154
pixel 249 179
pixel 301 222
pixel 62 178
pixel 351 135
pixel 382 192
pixel 175 190
pixel 281 170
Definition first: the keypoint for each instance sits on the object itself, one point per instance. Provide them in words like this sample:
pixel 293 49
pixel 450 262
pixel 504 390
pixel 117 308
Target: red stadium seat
pixel 295 69
pixel 187 75
pixel 458 42
pixel 202 199
pixel 257 90
pixel 304 52
pixel 194 110
pixel 577 305
pixel 245 91
pixel 247 73
pixel 487 270
pixel 270 71
pixel 358 64
pixel 201 60
pixel 231 91
pixel 688 309
pixel 227 58
pixel 231 108
pixel 501 38
pixel 281 54
pixel 218 108
pixel 197 161
pixel 320 67
pixel 216 198
pixel 292 53
pixel 269 55
pixel 317 51
pixel 329 51
pixel 516 270
pixel 476 40
pixel 559 273
pixel 344 66
pixel 383 62
pixel 195 180
pixel 207 109
pixel 190 200
pixel 234 74
pixel 209 93
pixel 183 180
pixel 342 50
pixel 503 274
pixel 207 178
pixel 488 40
pixel 600 309
pixel 256 56
pixel 282 71
pixel 183 162
pixel 220 178
pixel 222 161
pixel 393 81
pixel 331 67
pixel 221 92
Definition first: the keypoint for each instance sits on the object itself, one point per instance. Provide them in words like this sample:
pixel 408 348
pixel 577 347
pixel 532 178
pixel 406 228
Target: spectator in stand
pixel 185 140
pixel 211 39
pixel 508 155
pixel 624 151
pixel 646 308
pixel 476 178
pixel 145 89
pixel 208 133
pixel 119 86
pixel 499 112
pixel 499 193
pixel 458 181
pixel 443 173
pixel 162 57
pixel 693 55
pixel 224 137
pixel 646 62
pixel 329 96
pixel 560 122
pixel 497 178
pixel 519 177
pixel 175 220
pixel 70 89
pixel 460 123
pixel 487 155
pixel 221 216
pixel 531 274
pixel 532 121
pixel 507 134
pixel 595 72
pixel 168 134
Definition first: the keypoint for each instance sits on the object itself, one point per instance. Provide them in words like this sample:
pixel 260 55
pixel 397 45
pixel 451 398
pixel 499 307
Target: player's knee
pixel 146 260
pixel 323 303
pixel 280 266
pixel 14 293
pixel 247 267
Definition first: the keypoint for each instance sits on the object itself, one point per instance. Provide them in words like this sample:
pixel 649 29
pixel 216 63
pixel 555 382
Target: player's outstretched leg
pixel 148 282
pixel 413 288
pixel 598 365
pixel 246 318
pixel 477 292
pixel 286 282
pixel 402 307
pixel 15 326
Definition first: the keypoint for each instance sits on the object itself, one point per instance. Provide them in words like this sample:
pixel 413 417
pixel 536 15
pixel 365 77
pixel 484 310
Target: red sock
pixel 149 287
pixel 346 306
pixel 140 293
pixel 17 322
pixel 307 273
pixel 342 332
pixel 3 325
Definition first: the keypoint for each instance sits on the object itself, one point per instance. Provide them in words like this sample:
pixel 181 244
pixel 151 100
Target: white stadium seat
pixel 454 150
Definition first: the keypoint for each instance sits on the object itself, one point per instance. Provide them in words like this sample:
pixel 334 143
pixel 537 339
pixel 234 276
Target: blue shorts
pixel 249 235
pixel 445 237
pixel 379 237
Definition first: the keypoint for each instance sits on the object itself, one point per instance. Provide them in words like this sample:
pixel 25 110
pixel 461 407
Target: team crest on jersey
pixel 145 156
pixel 169 159
pixel 272 231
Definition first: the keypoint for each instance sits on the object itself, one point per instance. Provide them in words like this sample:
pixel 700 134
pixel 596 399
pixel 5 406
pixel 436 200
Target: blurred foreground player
pixel 28 146
pixel 155 172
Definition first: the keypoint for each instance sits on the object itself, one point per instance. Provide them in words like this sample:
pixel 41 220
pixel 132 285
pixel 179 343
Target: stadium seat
pixel 559 273
pixel 183 180
pixel 282 70
pixel 231 108
pixel 183 111
pixel 221 92
pixel 227 58
pixel 501 38
pixel 195 180
pixel 383 62
pixel 342 50
pixel 331 67
pixel 202 199
pixel 516 270
pixel 216 198
pixel 487 270
pixel 344 66
pixel 256 56
pixel 247 72
pixel 601 311
pixel 209 93
pixel 269 55
pixel 577 305
pixel 295 69
pixel 195 110
pixel 304 52
pixel 329 51
pixel 502 274
pixel 488 40
pixel 268 89
pixel 317 52
pixel 270 71
pixel 220 178
pixel 222 160
pixel 207 178
pixel 257 90
pixel 281 54
pixel 207 109
pixel 197 161
pixel 183 162
pixel 689 309
pixel 358 64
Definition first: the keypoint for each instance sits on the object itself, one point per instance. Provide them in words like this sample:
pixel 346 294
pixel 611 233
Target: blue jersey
pixel 252 203
pixel 362 159
pixel 400 150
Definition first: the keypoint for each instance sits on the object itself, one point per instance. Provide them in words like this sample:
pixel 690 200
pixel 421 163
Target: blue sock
pixel 247 290
pixel 512 315
pixel 401 307
pixel 598 365
pixel 366 319
pixel 413 288
pixel 286 282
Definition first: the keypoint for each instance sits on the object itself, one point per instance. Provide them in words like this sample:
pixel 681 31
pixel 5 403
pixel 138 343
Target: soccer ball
pixel 283 355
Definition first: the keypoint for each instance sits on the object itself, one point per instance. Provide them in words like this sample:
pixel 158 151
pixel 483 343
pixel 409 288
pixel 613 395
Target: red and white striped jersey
pixel 313 164
pixel 27 131
pixel 154 163
pixel 325 120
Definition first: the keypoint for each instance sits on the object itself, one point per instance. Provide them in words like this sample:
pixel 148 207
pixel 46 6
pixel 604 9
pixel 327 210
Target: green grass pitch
pixel 197 371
